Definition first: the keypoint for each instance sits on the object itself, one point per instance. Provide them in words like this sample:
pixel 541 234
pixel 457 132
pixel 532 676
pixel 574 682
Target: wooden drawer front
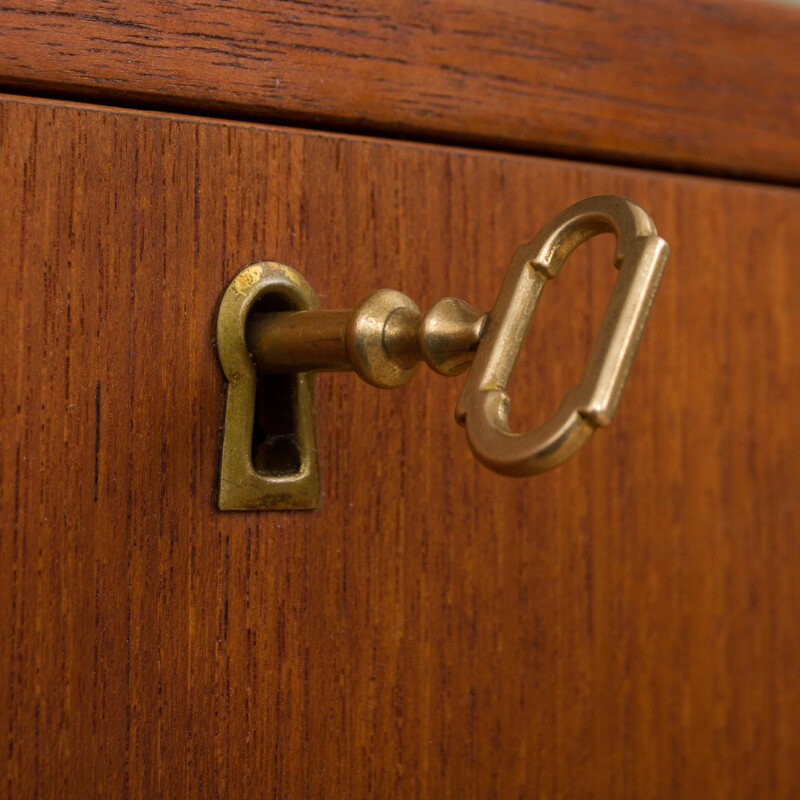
pixel 625 626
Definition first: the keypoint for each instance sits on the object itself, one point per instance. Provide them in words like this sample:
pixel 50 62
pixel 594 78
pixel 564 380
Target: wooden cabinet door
pixel 625 626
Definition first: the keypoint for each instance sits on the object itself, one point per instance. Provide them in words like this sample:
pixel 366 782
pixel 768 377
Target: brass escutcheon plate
pixel 241 485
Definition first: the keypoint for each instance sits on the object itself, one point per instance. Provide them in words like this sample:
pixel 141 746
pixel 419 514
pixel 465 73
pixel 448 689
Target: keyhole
pixel 275 447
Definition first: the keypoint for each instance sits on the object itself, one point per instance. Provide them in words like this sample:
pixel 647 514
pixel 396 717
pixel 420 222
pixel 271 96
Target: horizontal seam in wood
pixel 413 135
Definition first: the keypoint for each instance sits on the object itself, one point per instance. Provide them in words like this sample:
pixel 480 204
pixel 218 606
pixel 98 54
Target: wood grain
pixel 711 86
pixel 625 626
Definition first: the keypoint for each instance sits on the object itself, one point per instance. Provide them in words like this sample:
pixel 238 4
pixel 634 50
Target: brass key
pixel 386 338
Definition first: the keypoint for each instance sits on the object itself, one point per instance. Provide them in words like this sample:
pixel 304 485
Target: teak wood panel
pixel 712 85
pixel 625 626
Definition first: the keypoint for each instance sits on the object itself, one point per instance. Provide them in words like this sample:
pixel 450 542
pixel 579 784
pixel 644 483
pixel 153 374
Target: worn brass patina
pixel 385 338
pixel 241 486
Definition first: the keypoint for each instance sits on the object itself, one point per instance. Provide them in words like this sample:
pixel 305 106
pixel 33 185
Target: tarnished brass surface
pixel 240 485
pixel 298 341
pixel 385 338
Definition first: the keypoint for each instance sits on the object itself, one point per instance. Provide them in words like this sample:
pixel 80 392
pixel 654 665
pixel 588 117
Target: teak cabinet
pixel 625 626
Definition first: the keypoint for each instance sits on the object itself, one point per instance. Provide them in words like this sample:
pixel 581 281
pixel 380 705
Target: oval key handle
pixel 483 406
pixel 264 331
